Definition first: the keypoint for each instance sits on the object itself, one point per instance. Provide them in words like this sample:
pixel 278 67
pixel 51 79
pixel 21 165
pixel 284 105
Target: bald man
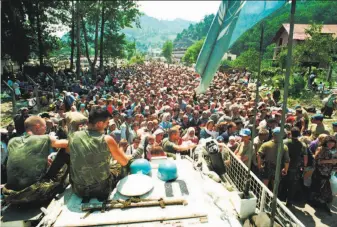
pixel 28 179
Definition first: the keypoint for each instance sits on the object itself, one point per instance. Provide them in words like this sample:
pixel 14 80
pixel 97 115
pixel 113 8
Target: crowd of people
pixel 153 110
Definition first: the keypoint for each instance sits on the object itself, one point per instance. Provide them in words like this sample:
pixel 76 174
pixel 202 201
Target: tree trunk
pixel 93 69
pixel 78 41
pixel 39 35
pixel 102 39
pixel 86 41
pixel 329 75
pixel 86 47
pixel 72 36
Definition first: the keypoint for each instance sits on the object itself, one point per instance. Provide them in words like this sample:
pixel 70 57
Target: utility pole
pixel 284 108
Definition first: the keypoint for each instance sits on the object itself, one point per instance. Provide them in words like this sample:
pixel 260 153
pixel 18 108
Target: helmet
pixel 140 165
pixel 167 171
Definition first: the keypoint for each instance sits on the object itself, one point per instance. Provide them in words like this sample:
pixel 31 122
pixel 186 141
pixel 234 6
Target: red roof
pixel 299 30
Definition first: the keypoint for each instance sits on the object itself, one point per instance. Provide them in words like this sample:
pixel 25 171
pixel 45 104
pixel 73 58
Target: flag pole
pixel 284 108
pixel 251 147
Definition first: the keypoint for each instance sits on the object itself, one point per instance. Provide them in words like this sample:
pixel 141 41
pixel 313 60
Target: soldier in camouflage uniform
pixel 90 154
pixel 298 159
pixel 29 179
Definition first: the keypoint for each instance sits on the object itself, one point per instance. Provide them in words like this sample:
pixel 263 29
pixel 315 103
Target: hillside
pixel 306 12
pixel 153 32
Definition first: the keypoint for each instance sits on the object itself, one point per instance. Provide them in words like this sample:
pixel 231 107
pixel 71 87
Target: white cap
pixel 158 131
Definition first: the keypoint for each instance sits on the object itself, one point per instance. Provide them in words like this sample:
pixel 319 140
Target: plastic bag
pixel 333 183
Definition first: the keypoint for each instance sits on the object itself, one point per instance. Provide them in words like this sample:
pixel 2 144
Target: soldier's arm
pixel 259 154
pixel 116 153
pixel 286 161
pixel 58 143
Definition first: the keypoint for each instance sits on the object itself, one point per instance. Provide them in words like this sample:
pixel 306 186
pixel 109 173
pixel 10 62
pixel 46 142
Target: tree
pixel 78 40
pixel 248 60
pixel 192 53
pixel 137 59
pixel 130 49
pixel 116 15
pixel 72 33
pixel 167 50
pixel 317 47
pixel 27 28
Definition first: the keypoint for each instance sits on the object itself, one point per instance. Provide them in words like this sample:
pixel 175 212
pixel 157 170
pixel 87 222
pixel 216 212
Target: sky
pixel 170 10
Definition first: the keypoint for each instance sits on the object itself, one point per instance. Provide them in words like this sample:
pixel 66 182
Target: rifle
pixel 132 202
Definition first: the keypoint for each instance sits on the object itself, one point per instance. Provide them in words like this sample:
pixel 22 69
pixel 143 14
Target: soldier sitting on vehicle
pixel 90 154
pixel 28 176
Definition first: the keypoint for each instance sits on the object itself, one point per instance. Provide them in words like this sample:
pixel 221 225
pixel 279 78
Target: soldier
pixel 90 154
pixel 267 156
pixel 170 144
pixel 298 159
pixel 28 178
pixel 317 126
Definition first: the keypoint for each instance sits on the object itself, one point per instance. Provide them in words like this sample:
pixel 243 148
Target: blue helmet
pixel 140 166
pixel 167 171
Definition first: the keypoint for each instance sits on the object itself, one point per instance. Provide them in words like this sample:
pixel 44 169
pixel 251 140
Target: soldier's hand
pixel 284 172
pixel 51 158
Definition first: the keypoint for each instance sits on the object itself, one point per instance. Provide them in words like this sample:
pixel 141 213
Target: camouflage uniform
pixel 43 190
pixel 268 153
pixel 291 182
pixel 26 171
pixel 90 170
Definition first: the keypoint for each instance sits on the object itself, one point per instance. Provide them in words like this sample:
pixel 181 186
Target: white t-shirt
pixel 4 152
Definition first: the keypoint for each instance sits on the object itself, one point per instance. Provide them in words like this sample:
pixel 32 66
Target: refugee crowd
pixel 152 110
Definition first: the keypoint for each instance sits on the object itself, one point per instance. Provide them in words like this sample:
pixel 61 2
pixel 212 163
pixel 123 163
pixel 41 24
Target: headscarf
pixel 187 136
pixel 214 134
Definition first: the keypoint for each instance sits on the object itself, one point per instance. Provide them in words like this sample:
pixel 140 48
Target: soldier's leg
pixel 62 158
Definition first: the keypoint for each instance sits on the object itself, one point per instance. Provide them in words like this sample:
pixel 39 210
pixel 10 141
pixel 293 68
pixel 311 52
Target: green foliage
pixel 248 60
pixel 23 22
pixel 317 48
pixel 167 50
pixel 194 32
pixel 296 85
pixel 130 49
pixel 28 27
pixel 283 58
pixel 137 59
pixel 306 12
pixel 192 53
pixel 269 52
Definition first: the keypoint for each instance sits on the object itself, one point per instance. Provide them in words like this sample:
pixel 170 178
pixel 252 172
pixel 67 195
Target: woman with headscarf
pixel 208 131
pixel 324 162
pixel 166 124
pixel 190 136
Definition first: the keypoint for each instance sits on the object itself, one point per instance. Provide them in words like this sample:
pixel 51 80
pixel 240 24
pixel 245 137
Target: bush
pixel 137 59
pixel 296 85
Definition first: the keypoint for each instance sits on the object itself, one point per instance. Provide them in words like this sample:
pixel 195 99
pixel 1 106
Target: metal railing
pixel 237 171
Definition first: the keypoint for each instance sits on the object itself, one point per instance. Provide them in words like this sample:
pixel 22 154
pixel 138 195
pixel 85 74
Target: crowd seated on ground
pixel 150 110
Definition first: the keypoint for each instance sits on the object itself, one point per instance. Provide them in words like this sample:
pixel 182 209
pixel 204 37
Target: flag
pixel 232 20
